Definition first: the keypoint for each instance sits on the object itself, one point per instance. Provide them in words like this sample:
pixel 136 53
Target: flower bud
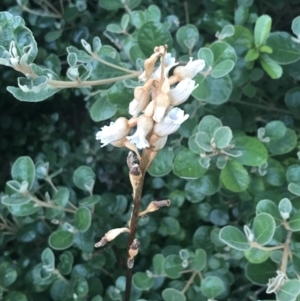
pixel 149 66
pixel 182 91
pixel 110 235
pixel 144 126
pixel 171 123
pixel 191 69
pixel 140 101
pixel 161 104
pixel 114 132
pixel 157 143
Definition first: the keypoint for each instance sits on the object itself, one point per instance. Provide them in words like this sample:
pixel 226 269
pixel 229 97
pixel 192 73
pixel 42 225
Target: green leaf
pixel 83 177
pixel 199 260
pixel 187 37
pixel 186 165
pixel 285 206
pixel 253 151
pixel 13 29
pixel 32 96
pixel 262 29
pixel 241 41
pixel 114 28
pixel 293 174
pixel 83 219
pixel 294 222
pixel 171 294
pixel 162 164
pixel 284 144
pixel 275 129
pixel 102 109
pixel 23 169
pixel 296 26
pixel 142 281
pixel 288 291
pixel 209 124
pixel 203 141
pixel 81 288
pixel 65 264
pixel 222 137
pixel 8 274
pixel 15 296
pixel 261 273
pixel 256 255
pixel 252 55
pixel 153 34
pixel 48 258
pixel 90 200
pixel 168 226
pixel 111 4
pixel 285 50
pixel 267 206
pixel 293 188
pixel 61 240
pixel 214 91
pixel 212 286
pixel 15 199
pixel 234 176
pixel 196 190
pixel 61 197
pixel 24 209
pixel 52 36
pixel 292 99
pixel 172 266
pixel 158 264
pixel 137 18
pixel 235 238
pixel 222 69
pixel 119 95
pixel 275 173
pixel 207 55
pixel 153 13
pixel 273 69
pixel 222 52
pixel 263 228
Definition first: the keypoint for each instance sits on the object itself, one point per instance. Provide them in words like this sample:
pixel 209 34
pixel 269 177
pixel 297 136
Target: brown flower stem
pixel 133 227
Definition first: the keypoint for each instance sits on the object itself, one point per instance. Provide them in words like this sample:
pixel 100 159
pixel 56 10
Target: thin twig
pixel 190 281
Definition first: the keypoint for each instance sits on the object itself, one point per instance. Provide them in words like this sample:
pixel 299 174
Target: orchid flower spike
pixel 182 91
pixel 171 123
pixel 144 127
pixel 190 70
pixel 114 132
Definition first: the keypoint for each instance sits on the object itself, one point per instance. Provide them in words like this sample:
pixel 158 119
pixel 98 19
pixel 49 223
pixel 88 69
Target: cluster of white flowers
pixel 154 108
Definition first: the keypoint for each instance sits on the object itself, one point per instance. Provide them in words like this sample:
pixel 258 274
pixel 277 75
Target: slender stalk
pixel 133 227
pixel 77 84
pixel 190 281
pixel 97 58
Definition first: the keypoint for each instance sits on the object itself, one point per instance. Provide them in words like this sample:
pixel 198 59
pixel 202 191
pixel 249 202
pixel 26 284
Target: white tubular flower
pixel 144 126
pixel 140 101
pixel 169 63
pixel 171 123
pixel 161 104
pixel 190 70
pixel 114 132
pixel 182 91
pixel 159 143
